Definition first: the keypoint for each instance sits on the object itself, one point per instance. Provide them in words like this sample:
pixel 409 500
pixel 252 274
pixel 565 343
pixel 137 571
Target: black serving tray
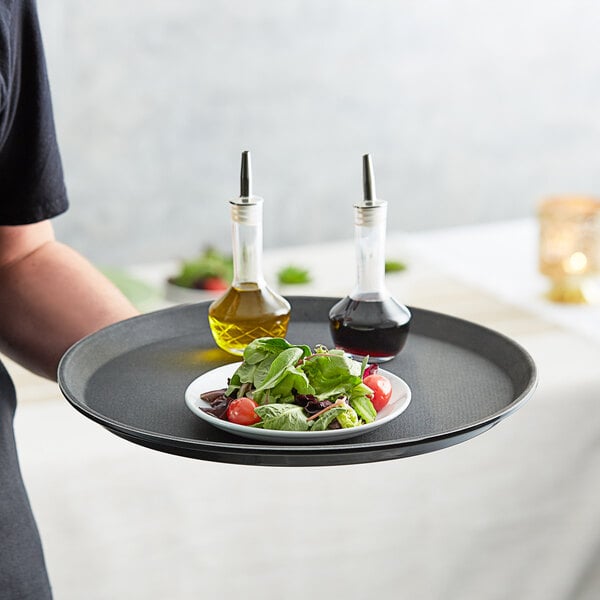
pixel 131 378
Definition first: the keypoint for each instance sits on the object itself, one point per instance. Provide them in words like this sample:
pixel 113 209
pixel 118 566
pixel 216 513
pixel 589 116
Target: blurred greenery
pixel 210 263
pixel 293 275
pixel 141 294
pixel 394 266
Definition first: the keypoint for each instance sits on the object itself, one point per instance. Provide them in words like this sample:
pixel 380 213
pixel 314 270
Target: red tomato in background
pixel 382 390
pixel 241 411
pixel 214 284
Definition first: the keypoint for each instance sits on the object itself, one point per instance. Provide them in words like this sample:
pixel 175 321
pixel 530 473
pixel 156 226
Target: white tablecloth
pixel 502 259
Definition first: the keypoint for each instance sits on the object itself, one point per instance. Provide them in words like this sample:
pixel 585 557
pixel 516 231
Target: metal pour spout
pixel 370 195
pixel 246 176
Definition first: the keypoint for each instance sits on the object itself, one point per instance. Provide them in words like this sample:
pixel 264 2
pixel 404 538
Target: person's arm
pixel 50 297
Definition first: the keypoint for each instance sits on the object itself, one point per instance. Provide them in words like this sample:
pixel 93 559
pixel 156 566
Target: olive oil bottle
pixel 249 309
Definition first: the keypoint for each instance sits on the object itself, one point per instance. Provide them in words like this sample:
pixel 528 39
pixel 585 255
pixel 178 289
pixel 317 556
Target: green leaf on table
pixel 292 275
pixel 394 266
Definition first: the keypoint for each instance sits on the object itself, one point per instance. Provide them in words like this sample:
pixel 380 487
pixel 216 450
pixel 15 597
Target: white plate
pixel 217 379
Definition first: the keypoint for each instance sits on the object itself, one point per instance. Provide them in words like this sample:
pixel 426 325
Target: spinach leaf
pixel 279 366
pixel 234 384
pixel 258 349
pixel 294 379
pixel 254 357
pixel 243 374
pixel 259 356
pixel 262 369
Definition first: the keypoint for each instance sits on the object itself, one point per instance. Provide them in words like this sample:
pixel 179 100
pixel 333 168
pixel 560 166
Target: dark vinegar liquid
pixel 377 328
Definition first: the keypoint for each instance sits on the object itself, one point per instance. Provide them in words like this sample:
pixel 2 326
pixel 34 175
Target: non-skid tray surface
pixel 131 378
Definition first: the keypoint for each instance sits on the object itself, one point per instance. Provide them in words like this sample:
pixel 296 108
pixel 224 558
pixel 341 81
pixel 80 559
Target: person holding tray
pixel 50 296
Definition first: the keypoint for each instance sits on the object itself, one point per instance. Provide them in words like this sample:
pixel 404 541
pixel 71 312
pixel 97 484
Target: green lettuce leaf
pixel 277 370
pixel 344 414
pixel 348 418
pixel 294 379
pixel 286 417
pixel 360 401
pixel 332 374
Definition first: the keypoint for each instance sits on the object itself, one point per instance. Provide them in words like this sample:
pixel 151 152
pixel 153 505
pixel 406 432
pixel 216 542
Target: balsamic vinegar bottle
pixel 249 309
pixel 370 322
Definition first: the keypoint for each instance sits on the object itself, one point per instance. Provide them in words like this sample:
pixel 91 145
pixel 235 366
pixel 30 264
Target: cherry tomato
pixel 215 284
pixel 241 411
pixel 382 390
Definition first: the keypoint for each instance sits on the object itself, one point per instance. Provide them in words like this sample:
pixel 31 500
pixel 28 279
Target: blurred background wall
pixel 473 111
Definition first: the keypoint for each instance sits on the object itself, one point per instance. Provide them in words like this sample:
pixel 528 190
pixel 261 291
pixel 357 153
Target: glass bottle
pixel 249 309
pixel 370 322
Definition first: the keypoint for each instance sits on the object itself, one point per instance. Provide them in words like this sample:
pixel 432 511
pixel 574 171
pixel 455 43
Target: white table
pixel 513 513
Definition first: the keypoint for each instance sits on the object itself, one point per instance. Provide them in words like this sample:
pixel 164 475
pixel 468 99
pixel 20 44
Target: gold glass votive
pixel 569 251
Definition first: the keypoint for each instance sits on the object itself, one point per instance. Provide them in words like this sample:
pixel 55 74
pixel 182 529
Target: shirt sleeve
pixel 31 177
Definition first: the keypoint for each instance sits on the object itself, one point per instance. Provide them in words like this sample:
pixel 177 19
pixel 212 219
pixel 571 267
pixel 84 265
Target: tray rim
pixel 290 450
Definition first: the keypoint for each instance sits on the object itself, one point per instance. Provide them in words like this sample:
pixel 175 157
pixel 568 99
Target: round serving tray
pixel 131 378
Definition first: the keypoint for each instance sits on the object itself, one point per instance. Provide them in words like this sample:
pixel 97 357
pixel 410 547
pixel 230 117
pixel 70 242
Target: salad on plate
pixel 287 387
